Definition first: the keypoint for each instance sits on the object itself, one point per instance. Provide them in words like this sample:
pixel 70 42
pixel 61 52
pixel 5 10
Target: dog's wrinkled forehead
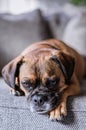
pixel 38 68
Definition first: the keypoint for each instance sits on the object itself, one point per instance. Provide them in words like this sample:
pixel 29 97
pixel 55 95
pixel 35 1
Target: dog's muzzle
pixel 43 102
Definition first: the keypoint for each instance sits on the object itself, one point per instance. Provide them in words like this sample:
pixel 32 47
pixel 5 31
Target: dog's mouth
pixel 40 111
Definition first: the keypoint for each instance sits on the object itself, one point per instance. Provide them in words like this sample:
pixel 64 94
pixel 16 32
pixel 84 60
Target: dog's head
pixel 41 76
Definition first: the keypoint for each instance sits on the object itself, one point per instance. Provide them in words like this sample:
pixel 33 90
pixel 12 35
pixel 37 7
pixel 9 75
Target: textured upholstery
pixel 15 114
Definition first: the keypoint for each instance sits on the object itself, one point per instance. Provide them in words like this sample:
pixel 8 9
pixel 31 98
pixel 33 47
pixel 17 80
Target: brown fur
pixel 34 64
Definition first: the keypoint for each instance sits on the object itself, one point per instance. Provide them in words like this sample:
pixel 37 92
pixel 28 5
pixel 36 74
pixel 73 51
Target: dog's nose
pixel 38 100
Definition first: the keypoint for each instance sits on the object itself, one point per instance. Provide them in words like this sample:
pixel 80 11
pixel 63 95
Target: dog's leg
pixel 61 109
pixel 16 92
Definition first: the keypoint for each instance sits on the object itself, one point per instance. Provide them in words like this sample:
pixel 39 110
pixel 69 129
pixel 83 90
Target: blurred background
pixel 23 22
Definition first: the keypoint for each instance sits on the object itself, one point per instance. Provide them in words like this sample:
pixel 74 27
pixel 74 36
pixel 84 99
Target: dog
pixel 47 73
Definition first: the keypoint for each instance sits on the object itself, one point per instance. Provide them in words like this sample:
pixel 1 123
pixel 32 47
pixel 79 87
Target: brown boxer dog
pixel 47 73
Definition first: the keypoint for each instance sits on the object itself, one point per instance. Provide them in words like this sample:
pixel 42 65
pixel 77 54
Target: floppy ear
pixel 11 71
pixel 66 63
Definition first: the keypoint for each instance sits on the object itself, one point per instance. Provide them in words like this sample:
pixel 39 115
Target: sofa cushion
pixel 15 114
pixel 68 26
pixel 18 31
pixel 75 33
pixel 58 22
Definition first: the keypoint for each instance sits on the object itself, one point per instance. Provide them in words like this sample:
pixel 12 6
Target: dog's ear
pixel 11 71
pixel 66 64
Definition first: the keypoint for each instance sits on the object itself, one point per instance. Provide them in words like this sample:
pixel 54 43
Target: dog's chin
pixel 40 110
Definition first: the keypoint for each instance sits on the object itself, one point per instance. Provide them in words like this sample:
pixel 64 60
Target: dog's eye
pixel 27 84
pixel 51 83
pixel 54 81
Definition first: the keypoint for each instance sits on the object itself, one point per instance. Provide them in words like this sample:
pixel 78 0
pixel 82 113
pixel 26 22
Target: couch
pixel 15 114
pixel 16 33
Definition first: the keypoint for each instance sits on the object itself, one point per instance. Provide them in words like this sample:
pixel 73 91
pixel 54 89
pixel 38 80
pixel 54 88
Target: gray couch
pixel 16 33
pixel 15 114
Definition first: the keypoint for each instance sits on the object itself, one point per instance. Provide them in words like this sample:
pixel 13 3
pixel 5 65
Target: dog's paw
pixel 58 112
pixel 16 93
